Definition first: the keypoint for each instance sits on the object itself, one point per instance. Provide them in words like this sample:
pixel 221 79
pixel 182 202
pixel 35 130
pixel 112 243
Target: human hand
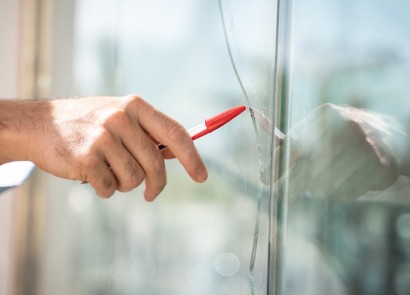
pixel 111 143
pixel 341 152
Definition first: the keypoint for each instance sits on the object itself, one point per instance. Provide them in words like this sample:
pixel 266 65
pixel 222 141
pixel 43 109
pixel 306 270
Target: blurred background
pixel 332 215
pixel 58 236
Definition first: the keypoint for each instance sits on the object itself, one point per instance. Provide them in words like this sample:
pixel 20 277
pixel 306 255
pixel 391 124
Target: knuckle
pixel 107 182
pixel 134 100
pixel 157 166
pixel 160 117
pixel 145 145
pixel 104 138
pixel 330 111
pixel 133 177
pixel 105 187
pixel 175 132
pixel 117 118
pixel 133 169
pixel 105 194
pixel 327 109
pixel 328 106
pixel 88 161
pixel 333 115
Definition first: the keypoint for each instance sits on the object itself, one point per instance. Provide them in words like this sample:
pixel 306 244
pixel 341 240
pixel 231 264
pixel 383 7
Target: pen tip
pixel 224 117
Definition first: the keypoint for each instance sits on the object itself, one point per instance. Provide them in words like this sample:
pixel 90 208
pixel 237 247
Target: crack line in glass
pixel 259 201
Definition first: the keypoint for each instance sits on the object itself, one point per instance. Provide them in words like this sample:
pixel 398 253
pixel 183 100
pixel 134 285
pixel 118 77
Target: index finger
pixel 172 134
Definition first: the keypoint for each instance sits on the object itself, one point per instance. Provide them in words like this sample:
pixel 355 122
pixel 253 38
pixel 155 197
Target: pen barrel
pixel 211 124
pixel 198 131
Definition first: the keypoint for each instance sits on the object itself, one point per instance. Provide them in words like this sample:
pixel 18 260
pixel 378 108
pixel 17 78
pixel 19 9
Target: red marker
pixel 212 124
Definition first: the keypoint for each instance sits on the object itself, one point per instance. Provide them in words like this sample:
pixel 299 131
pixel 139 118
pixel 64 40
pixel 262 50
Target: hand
pixel 341 152
pixel 111 143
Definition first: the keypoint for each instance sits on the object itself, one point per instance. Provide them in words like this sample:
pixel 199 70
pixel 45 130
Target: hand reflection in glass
pixel 342 152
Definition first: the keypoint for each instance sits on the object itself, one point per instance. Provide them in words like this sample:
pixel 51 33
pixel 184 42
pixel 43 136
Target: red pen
pixel 212 124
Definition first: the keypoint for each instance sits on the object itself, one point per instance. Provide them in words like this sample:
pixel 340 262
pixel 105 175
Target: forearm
pixel 20 121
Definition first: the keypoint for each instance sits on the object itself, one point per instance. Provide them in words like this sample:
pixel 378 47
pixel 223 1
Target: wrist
pixel 21 124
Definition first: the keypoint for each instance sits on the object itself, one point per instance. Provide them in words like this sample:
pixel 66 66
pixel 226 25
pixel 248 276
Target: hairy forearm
pixel 20 122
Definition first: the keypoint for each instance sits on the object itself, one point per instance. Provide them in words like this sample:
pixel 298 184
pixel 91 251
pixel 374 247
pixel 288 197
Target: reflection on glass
pixel 347 149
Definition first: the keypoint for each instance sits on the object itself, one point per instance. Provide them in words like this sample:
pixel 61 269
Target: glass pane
pixel 250 34
pixel 346 178
pixel 194 239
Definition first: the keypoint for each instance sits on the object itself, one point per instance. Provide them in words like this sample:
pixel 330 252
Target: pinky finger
pixel 103 181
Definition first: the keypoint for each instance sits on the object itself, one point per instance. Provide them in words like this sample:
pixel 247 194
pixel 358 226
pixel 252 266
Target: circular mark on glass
pixel 227 264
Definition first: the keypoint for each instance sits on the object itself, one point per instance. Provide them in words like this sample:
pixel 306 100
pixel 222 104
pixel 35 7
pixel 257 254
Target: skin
pixel 109 142
pixel 341 152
